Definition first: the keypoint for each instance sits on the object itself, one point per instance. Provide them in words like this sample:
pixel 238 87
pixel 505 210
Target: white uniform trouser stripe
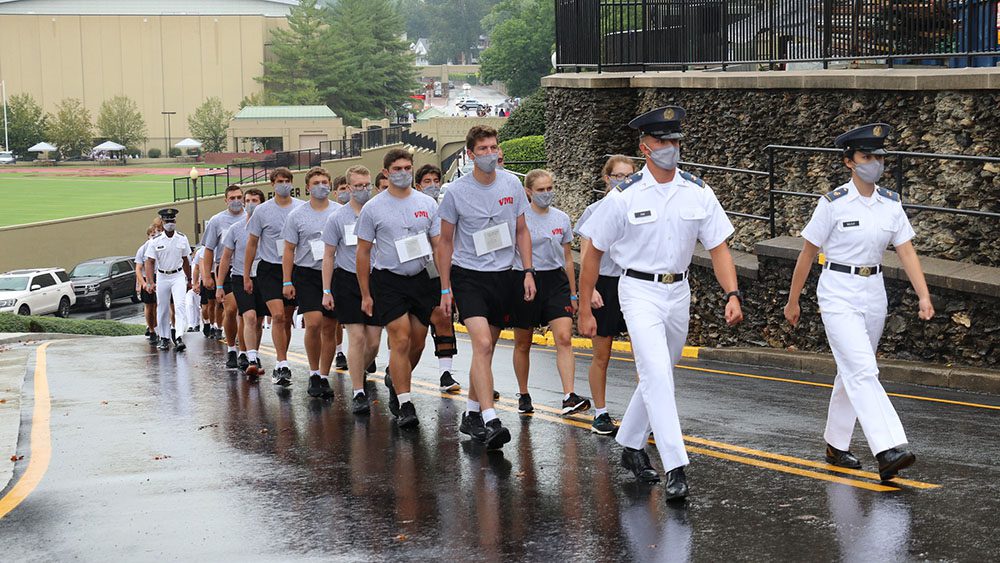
pixel 857 393
pixel 170 286
pixel 657 316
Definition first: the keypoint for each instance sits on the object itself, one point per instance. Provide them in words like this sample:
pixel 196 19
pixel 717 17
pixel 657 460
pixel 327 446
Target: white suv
pixel 36 292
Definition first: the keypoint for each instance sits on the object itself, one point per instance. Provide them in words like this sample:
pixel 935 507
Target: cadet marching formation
pixel 366 255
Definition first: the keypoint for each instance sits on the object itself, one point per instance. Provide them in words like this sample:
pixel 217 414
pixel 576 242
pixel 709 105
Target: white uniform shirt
pixel 855 230
pixel 168 252
pixel 608 266
pixel 653 227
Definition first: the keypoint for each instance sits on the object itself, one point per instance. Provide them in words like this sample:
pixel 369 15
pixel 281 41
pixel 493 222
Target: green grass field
pixel 33 197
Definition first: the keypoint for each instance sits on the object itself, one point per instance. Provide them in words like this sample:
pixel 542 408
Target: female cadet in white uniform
pixel 853 225
pixel 169 256
pixel 650 226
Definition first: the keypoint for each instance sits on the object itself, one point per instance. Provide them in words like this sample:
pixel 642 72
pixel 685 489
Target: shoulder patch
pixel 836 194
pixel 693 179
pixel 631 180
pixel 889 194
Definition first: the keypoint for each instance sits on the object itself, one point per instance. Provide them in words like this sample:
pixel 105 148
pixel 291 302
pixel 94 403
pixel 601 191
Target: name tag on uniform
pixel 350 239
pixel 317 248
pixel 642 216
pixel 280 244
pixel 413 247
pixel 848 224
pixel 492 239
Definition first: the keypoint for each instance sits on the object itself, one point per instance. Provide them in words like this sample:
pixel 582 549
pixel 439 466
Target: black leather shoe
pixel 407 416
pixel 637 462
pixel 472 425
pixel 891 461
pixel 677 485
pixel 179 345
pixel 841 458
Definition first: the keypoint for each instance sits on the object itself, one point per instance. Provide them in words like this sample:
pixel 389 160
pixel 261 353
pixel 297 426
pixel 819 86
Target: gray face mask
pixel 542 199
pixel 283 190
pixel 870 171
pixel 361 196
pixel 169 227
pixel 320 191
pixel 250 208
pixel 401 179
pixel 236 205
pixel 432 191
pixel 343 196
pixel 665 158
pixel 487 162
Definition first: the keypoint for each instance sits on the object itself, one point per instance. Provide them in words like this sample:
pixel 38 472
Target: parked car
pixel 7 157
pixel 36 292
pixel 99 282
pixel 469 103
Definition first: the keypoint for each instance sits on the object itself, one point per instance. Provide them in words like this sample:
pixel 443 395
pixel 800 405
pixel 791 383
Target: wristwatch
pixel 738 294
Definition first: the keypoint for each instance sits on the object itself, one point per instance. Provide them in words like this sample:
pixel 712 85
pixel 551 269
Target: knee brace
pixel 444 346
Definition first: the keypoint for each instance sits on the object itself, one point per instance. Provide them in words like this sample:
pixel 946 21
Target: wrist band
pixel 445 291
pixel 326 291
pixel 574 298
pixel 286 284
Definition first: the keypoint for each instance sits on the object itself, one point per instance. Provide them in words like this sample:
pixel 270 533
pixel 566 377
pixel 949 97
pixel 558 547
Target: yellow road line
pixel 543 410
pixel 548 340
pixel 41 440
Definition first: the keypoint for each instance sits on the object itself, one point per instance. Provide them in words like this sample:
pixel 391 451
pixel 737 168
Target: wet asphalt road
pixel 164 456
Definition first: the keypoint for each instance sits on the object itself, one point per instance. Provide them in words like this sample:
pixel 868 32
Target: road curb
pixel 24 337
pixel 13 366
pixel 690 352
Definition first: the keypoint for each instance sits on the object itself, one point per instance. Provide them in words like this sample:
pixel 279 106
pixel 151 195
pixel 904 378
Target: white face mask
pixel 169 227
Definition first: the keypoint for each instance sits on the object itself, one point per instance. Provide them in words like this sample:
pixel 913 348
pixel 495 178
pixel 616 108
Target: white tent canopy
pixel 189 143
pixel 42 147
pixel 109 146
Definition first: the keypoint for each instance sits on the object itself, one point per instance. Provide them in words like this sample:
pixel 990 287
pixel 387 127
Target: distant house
pixel 420 49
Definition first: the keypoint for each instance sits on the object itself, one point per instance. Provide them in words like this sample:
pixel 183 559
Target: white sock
pixel 599 412
pixel 340 348
pixel 251 355
pixel 444 364
pixel 403 398
pixel 327 376
pixel 566 398
pixel 489 414
pixel 282 364
pixel 471 406
pixel 243 354
pixel 359 392
pixel 231 348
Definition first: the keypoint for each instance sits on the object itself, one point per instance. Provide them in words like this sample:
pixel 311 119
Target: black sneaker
pixel 219 334
pixel 153 339
pixel 393 399
pixel 319 387
pixel 254 370
pixel 231 361
pixel 524 403
pixel 281 376
pixel 574 404
pixel 341 361
pixel 164 344
pixel 243 363
pixel 371 367
pixel 179 345
pixel 360 405
pixel 448 383
pixel 496 435
pixel 472 425
pixel 603 425
pixel 206 330
pixel 407 416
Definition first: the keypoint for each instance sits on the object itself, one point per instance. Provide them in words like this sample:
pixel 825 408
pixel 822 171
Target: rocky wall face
pixel 731 127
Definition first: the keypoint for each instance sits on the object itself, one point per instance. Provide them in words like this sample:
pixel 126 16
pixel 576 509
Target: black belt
pixel 863 271
pixel 661 278
pixel 170 272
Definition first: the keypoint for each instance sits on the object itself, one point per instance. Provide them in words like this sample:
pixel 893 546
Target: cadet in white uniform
pixel 650 226
pixel 853 225
pixel 169 255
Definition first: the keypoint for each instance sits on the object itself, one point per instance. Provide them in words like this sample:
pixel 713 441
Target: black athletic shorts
pixel 227 284
pixel 347 297
pixel 397 295
pixel 610 320
pixel 309 291
pixel 269 278
pixel 147 297
pixel 551 301
pixel 205 294
pixel 248 301
pixel 486 294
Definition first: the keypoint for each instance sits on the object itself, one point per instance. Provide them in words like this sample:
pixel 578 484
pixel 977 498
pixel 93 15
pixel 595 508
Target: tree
pixel 520 48
pixel 456 29
pixel 257 99
pixel 527 120
pixel 209 124
pixel 121 121
pixel 71 129
pixel 300 55
pixel 27 123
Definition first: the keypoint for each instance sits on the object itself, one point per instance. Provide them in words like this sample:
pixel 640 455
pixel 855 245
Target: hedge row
pixel 9 322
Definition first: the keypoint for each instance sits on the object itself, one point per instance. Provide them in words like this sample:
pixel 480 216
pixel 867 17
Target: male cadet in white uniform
pixel 650 226
pixel 218 225
pixel 169 255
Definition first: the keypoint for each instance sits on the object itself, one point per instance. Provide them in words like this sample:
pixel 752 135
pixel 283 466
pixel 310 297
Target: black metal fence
pixel 678 34
pixel 213 183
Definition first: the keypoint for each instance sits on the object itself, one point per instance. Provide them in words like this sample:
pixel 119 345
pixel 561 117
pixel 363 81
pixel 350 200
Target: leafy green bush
pixel 175 152
pixel 193 152
pixel 9 322
pixel 524 149
pixel 459 78
pixel 528 119
pixel 154 153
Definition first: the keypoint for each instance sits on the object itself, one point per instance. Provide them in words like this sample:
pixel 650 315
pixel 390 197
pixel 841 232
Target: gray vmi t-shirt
pixel 217 225
pixel 473 207
pixel 267 224
pixel 549 231
pixel 335 233
pixel 235 239
pixel 140 255
pixel 387 219
pixel 303 227
pixel 608 266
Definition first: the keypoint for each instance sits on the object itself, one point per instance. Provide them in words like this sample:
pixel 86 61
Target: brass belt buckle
pixel 666 278
pixel 865 271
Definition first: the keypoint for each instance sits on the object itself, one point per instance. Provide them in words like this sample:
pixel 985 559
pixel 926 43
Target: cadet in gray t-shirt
pixel 549 232
pixel 340 233
pixel 395 226
pixel 267 224
pixel 304 229
pixel 217 225
pixel 235 239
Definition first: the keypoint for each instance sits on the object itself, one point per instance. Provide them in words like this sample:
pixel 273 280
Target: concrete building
pixel 167 55
pixel 278 128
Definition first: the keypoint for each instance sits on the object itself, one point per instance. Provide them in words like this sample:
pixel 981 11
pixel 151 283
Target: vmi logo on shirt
pixel 419 214
pixel 506 201
pixel 558 231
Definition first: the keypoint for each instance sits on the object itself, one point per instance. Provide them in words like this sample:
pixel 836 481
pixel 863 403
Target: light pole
pixel 194 181
pixel 167 114
pixel 6 141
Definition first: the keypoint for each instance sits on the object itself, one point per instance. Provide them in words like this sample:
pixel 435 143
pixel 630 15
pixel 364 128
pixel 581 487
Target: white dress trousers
pixel 171 286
